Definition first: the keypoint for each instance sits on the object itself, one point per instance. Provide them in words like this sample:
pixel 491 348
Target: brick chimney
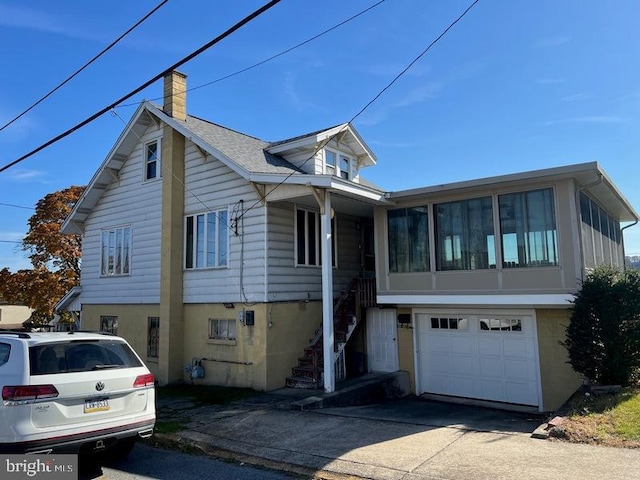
pixel 175 95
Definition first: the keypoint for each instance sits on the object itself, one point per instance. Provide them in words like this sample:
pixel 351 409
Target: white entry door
pixel 382 340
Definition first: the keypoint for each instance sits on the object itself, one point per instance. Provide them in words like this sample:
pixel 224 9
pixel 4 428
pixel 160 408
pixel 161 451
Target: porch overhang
pixel 560 300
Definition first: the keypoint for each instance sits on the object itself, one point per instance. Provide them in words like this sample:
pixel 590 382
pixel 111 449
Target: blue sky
pixel 514 86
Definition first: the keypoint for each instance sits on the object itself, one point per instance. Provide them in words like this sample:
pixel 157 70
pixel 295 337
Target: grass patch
pixel 205 394
pixel 608 419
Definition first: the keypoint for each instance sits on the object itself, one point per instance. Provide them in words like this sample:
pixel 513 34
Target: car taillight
pixel 28 392
pixel 144 380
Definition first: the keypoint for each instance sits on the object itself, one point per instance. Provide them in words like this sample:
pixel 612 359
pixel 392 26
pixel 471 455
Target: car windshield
pixel 81 356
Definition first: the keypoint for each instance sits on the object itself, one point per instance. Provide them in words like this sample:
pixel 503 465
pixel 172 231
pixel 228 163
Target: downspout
pixel 624 255
pixel 580 232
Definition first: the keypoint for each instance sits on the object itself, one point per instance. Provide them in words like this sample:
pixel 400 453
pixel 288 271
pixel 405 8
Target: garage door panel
pixel 462 344
pixel 488 345
pixel 491 367
pixel 517 370
pixel 462 365
pixel 516 348
pixel 496 365
pixel 440 363
pixel 440 344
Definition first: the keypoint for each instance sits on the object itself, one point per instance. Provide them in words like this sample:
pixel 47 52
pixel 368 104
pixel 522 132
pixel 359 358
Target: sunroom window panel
pixel 301 233
pixel 528 229
pixel 463 232
pixel 398 243
pixel 189 241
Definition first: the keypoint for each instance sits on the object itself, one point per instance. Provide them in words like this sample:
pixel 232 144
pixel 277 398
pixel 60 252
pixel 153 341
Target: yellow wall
pixel 247 362
pixel 293 325
pixel 558 379
pixel 132 325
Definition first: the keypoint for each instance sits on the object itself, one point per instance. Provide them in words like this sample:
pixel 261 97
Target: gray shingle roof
pixel 248 152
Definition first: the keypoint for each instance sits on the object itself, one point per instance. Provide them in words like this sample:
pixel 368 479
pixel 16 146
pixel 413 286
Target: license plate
pixel 96 405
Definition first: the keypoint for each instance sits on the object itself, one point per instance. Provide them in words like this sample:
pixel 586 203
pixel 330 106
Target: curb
pixel 177 442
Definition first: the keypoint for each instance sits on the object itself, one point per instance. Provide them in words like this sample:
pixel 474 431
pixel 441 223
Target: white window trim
pixel 129 255
pixel 194 246
pixel 222 340
pixel 352 170
pixel 334 237
pixel 158 142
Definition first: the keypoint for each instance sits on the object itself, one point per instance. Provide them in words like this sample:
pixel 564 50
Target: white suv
pixel 73 393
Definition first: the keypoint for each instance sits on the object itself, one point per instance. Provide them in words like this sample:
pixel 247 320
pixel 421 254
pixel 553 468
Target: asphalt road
pixel 147 463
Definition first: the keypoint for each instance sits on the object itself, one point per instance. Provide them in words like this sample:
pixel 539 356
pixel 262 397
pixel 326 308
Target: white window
pixel 329 162
pixel 116 251
pixel 447 323
pixel 152 166
pixel 339 164
pixel 308 238
pixel 222 329
pixel 501 324
pixel 206 240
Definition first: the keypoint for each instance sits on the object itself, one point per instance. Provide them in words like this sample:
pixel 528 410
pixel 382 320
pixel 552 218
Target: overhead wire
pixel 15 206
pixel 95 57
pixel 324 143
pixel 181 62
pixel 266 60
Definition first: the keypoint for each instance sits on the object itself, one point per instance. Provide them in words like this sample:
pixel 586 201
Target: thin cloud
pixel 389 71
pixel 420 94
pixel 25 175
pixel 380 143
pixel 291 93
pixel 577 97
pixel 602 119
pixel 553 41
pixel 551 80
pixel 13 16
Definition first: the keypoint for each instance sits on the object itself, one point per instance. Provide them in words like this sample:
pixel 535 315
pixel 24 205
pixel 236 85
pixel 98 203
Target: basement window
pixel 222 329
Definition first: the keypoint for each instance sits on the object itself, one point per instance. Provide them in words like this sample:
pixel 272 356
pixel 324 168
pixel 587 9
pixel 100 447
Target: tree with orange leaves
pixel 55 258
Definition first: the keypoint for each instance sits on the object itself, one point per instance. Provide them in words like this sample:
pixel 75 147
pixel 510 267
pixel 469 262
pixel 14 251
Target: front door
pixel 382 344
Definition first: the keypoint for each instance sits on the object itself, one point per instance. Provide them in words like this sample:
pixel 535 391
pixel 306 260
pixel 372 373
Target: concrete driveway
pixel 409 439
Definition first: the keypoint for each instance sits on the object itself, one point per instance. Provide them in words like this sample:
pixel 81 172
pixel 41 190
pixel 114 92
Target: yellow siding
pixel 558 379
pixel 406 350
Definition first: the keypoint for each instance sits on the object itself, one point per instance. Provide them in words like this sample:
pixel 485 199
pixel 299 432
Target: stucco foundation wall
pixel 239 363
pixel 558 379
pixel 132 325
pixel 406 349
pixel 293 325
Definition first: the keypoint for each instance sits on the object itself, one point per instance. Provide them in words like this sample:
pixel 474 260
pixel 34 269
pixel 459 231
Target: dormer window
pixel 152 168
pixel 339 164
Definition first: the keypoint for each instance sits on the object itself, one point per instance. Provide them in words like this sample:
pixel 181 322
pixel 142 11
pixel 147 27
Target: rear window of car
pixel 81 356
pixel 5 349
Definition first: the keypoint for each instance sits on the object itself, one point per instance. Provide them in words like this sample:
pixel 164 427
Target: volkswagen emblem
pixel 99 386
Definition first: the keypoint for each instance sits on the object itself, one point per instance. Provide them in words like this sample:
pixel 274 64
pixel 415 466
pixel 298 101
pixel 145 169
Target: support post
pixel 327 296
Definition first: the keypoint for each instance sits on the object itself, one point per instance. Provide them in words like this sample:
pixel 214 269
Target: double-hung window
pixel 222 329
pixel 528 229
pixel 408 239
pixel 152 166
pixel 116 251
pixel 109 324
pixel 465 234
pixel 206 240
pixel 308 244
pixel 339 164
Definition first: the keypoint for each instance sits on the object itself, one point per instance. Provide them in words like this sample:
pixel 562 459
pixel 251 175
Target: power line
pixel 15 206
pixel 273 57
pixel 9 241
pixel 96 57
pixel 363 109
pixel 98 114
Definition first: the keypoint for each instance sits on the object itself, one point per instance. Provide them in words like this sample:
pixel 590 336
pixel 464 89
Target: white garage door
pixel 488 357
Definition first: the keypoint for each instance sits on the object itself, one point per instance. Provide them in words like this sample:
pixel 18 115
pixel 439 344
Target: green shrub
pixel 603 336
